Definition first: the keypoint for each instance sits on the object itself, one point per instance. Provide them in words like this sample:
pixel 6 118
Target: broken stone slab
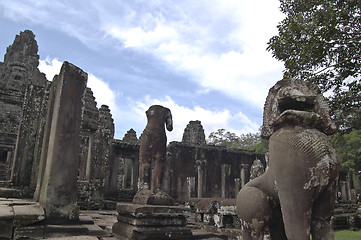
pixel 83 219
pixel 140 233
pixel 6 213
pixel 95 230
pixel 52 232
pixel 191 203
pixel 159 197
pixel 15 201
pixel 137 221
pixel 226 213
pixel 114 238
pixel 29 232
pixel 207 205
pixel 140 211
pixel 153 221
pixel 28 214
pixel 65 230
pixel 202 234
pixel 10 193
pixel 74 238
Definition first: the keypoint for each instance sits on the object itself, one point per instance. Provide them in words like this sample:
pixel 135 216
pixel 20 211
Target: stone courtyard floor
pixel 22 219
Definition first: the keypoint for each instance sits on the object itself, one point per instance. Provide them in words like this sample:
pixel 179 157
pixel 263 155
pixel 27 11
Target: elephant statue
pixel 152 157
pixel 295 197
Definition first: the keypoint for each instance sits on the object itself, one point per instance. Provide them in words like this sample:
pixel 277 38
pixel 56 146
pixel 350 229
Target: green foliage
pixel 349 150
pixel 320 41
pixel 259 147
pixel 347 235
pixel 249 141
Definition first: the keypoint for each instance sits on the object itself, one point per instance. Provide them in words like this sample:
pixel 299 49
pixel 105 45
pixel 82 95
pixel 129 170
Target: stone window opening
pixel 3 157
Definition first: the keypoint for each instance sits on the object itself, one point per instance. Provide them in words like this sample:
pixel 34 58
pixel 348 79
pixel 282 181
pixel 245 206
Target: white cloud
pixel 101 90
pixel 211 120
pixel 137 37
pixel 50 67
pixel 220 43
pixel 195 40
pixel 102 93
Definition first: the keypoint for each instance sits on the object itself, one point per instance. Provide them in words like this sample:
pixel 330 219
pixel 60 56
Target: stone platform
pixel 137 221
pixel 25 219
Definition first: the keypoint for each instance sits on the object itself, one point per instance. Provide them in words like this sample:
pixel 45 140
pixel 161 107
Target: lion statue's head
pixel 296 102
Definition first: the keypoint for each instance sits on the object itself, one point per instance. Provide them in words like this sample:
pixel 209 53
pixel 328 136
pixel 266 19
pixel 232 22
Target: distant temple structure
pixel 106 168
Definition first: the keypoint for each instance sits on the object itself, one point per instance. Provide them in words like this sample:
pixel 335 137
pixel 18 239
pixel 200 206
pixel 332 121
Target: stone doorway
pixel 4 155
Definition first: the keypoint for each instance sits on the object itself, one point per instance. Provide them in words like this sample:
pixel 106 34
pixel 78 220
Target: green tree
pixel 349 150
pixel 320 41
pixel 223 138
pixel 249 141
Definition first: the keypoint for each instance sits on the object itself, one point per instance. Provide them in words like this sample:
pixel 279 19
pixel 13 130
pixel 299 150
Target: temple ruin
pixel 34 123
pixel 103 162
pixel 58 156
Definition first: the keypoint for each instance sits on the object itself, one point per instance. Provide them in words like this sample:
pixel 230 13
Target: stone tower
pixel 194 133
pixel 131 137
pixel 17 72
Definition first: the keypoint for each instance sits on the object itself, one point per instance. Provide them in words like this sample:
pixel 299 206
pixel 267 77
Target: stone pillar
pixel 58 194
pixel 9 158
pixel 45 144
pixel 29 135
pixel 343 191
pixel 237 186
pixel 167 178
pixel 180 188
pixel 89 158
pixel 135 169
pixel 201 177
pixel 200 181
pixel 348 187
pixel 225 179
pixel 244 169
pixel 101 161
pixel 191 184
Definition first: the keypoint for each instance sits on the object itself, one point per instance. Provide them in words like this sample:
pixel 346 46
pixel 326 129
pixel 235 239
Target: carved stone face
pixel 296 102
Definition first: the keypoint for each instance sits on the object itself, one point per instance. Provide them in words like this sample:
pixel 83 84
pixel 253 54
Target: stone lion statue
pixel 152 157
pixel 295 197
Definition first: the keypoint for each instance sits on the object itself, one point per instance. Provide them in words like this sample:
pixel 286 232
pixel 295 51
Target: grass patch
pixel 347 235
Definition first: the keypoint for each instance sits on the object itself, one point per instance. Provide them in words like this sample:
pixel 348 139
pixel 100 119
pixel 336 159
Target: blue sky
pixel 205 60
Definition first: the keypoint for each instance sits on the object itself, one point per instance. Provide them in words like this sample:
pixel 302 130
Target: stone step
pixel 202 234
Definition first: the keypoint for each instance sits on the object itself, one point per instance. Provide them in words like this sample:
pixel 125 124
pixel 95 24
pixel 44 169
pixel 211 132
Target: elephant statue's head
pixel 157 114
pixel 296 102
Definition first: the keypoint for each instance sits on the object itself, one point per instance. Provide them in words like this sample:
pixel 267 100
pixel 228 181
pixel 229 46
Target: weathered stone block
pixel 6 213
pixel 75 238
pixel 28 214
pixel 29 232
pixel 6 229
pixel 151 222
pixel 140 211
pixel 65 230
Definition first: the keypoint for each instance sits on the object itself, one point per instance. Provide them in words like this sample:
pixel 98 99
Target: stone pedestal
pixel 151 222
